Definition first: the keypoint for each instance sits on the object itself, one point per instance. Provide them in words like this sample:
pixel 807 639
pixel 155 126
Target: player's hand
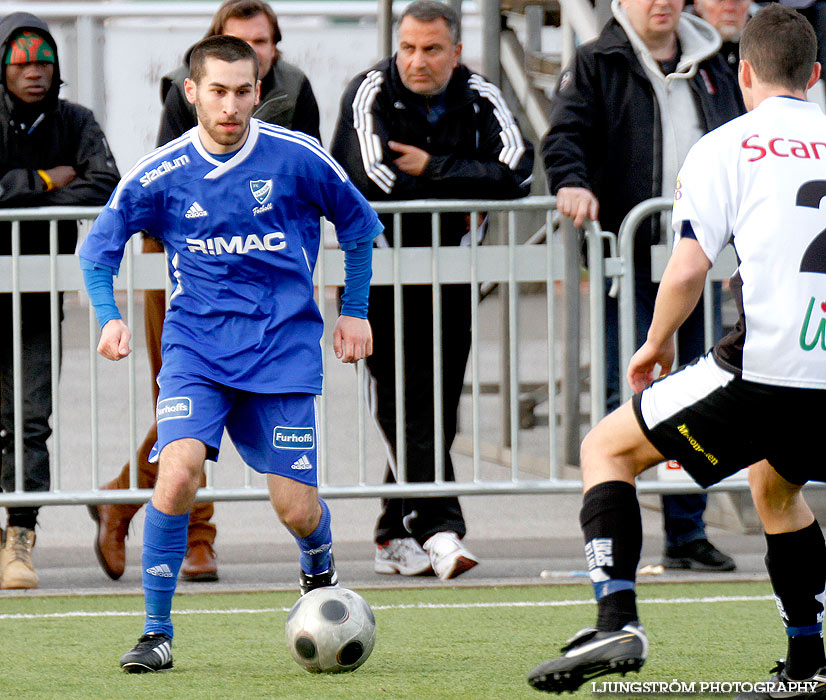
pixel 579 203
pixel 645 361
pixel 61 175
pixel 352 339
pixel 413 160
pixel 114 340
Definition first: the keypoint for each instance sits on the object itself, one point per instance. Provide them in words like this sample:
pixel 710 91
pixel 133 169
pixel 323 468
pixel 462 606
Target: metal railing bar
pixel 513 347
pixel 416 490
pixel 438 384
pixel 398 353
pixel 17 357
pixel 55 355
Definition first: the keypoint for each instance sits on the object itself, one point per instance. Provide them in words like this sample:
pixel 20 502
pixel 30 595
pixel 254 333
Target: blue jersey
pixel 242 237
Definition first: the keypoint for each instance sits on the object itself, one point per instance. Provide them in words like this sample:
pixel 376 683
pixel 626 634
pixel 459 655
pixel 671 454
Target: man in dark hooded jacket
pixel 52 152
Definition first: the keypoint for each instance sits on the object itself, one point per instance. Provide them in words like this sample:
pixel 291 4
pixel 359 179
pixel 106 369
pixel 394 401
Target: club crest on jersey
pixel 176 407
pixel 286 438
pixel 261 190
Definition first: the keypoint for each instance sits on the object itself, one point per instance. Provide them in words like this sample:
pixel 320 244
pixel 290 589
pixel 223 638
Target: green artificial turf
pixel 432 643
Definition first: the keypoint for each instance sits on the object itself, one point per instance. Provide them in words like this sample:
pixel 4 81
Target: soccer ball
pixel 331 630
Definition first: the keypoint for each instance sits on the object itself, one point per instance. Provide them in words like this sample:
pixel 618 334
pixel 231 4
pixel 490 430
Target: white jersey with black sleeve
pixel 758 182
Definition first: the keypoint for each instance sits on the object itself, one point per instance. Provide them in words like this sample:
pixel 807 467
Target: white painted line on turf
pixel 411 606
pixel 567 603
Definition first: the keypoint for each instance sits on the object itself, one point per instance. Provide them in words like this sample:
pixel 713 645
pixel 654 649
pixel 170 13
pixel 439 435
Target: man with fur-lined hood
pixel 625 113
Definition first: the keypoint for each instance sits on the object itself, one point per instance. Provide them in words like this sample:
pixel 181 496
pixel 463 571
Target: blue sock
pixel 164 547
pixel 315 547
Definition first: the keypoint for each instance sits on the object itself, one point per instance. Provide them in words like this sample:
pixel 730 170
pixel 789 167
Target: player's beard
pixel 219 135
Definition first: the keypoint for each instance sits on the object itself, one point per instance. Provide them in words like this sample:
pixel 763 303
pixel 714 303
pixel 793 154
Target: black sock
pixel 22 517
pixel 612 525
pixel 796 562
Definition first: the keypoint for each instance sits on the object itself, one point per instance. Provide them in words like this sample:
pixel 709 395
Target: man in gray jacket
pixel 625 113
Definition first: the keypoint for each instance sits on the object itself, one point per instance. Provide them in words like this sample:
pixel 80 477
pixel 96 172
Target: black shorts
pixel 714 423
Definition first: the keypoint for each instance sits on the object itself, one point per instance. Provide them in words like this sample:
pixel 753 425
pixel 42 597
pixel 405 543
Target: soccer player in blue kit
pixel 237 203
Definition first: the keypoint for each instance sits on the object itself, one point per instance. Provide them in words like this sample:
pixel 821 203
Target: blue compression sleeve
pixel 100 288
pixel 358 269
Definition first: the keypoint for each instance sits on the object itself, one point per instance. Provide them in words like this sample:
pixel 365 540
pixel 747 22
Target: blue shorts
pixel 274 433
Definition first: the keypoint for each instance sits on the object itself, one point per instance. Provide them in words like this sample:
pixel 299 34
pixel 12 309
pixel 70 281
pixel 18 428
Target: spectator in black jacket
pixel 421 125
pixel 625 113
pixel 53 153
pixel 287 100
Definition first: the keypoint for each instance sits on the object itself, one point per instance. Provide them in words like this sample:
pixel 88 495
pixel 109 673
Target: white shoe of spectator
pixel 448 556
pixel 401 556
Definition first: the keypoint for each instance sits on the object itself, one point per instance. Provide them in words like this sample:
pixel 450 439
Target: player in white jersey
pixel 757 399
pixel 237 204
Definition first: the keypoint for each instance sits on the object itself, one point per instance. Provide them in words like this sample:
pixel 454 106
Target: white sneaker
pixel 401 556
pixel 448 556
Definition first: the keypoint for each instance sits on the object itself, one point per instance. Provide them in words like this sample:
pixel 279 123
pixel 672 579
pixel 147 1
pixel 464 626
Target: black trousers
pixel 419 517
pixel 37 400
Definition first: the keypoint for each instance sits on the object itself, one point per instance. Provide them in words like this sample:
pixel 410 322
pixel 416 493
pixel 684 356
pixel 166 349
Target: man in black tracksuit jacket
pixel 418 126
pixel 53 153
pixel 622 119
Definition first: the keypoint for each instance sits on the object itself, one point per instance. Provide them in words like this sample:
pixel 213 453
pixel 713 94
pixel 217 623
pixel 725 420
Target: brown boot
pixel 112 530
pixel 199 564
pixel 113 519
pixel 16 559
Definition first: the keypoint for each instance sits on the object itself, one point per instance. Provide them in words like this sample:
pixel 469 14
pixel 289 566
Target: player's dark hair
pixel 781 46
pixel 224 48
pixel 432 10
pixel 243 9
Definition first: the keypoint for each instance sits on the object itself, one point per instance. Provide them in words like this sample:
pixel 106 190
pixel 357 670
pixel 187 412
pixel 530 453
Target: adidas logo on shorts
pixel 196 211
pixel 301 463
pixel 161 570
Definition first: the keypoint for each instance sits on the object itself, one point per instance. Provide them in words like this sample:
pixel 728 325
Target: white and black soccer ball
pixel 331 630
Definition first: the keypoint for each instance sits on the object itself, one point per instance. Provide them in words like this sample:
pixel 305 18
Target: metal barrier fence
pixel 531 460
pixel 722 269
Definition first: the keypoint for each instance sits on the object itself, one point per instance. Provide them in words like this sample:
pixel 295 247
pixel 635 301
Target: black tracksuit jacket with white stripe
pixel 477 150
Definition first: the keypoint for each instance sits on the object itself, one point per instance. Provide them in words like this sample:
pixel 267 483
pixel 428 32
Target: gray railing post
pixel 457 8
pixel 384 20
pixel 571 344
pixel 534 19
pixel 490 39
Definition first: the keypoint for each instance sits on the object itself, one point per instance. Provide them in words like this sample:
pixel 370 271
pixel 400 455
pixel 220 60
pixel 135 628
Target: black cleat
pixel 781 686
pixel 698 555
pixel 591 653
pixel 153 652
pixel 309 582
